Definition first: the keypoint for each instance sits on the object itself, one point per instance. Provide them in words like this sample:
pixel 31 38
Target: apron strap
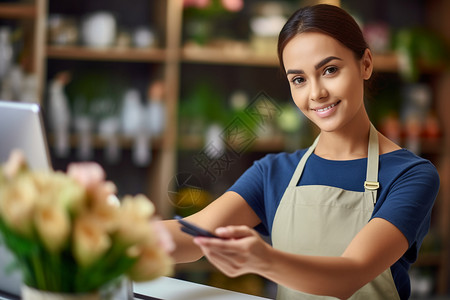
pixel 371 183
pixel 298 171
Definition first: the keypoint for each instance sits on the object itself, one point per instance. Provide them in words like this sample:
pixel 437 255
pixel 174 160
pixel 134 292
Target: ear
pixel 367 64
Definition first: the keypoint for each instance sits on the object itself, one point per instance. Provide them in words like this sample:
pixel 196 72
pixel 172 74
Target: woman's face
pixel 326 81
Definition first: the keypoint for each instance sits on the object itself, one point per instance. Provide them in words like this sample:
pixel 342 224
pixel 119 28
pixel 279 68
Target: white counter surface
pixel 167 288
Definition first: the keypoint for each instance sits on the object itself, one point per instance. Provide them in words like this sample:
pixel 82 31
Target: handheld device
pixel 194 230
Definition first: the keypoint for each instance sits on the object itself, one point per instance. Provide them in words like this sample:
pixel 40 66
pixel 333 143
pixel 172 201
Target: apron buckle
pixel 371 185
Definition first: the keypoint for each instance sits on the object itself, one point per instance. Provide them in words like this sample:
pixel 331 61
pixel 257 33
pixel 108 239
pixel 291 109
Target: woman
pixel 346 216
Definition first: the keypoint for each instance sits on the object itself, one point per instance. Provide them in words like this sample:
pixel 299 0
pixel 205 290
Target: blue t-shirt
pixel 408 188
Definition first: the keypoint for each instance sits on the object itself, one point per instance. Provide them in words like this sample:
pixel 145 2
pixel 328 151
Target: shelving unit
pixel 172 55
pixel 17 10
pixel 99 142
pixel 31 14
pixel 383 62
pixel 163 165
pixel 128 55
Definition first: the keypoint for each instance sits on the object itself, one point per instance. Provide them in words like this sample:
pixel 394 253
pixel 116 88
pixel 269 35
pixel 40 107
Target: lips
pixel 326 111
pixel 325 108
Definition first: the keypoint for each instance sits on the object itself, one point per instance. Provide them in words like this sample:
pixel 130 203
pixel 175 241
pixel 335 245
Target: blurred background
pixel 176 99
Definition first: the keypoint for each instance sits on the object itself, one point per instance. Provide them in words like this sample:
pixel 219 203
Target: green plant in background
pixel 419 47
pixel 386 101
pixel 202 15
pixel 206 104
pixel 96 94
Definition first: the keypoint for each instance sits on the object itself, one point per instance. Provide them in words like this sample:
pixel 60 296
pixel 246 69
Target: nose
pixel 317 91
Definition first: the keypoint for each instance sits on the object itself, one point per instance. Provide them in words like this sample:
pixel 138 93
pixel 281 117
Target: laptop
pixel 21 126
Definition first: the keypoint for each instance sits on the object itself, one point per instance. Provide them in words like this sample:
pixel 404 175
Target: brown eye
pixel 298 80
pixel 330 70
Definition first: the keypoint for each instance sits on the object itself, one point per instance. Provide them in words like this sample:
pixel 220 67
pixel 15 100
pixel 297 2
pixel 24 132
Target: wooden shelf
pixel 387 62
pixel 269 144
pixel 278 143
pixel 106 54
pixel 213 55
pixel 17 11
pixel 99 142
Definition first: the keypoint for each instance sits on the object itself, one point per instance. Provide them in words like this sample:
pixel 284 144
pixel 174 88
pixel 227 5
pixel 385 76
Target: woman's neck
pixel 347 143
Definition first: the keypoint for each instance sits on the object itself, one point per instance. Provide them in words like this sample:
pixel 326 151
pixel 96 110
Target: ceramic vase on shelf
pixel 99 29
pixel 6 51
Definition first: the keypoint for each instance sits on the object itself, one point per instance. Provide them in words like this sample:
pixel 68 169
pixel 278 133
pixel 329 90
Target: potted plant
pixel 71 236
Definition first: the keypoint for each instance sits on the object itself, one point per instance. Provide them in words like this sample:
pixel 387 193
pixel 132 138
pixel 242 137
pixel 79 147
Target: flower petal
pixel 153 262
pixel 90 241
pixel 53 226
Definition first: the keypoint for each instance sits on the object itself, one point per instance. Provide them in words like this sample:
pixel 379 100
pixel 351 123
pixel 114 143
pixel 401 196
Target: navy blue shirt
pixel 408 188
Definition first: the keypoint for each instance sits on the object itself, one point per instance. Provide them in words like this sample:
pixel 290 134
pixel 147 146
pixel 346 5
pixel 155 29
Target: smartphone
pixel 194 230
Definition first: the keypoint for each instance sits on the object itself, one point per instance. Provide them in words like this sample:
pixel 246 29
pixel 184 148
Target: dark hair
pixel 328 19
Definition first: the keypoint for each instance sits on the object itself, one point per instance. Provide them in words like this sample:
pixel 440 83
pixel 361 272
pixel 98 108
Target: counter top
pixel 167 288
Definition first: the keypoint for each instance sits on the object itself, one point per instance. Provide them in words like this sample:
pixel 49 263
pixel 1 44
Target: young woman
pixel 346 216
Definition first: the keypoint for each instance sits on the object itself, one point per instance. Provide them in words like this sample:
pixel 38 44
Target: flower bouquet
pixel 71 235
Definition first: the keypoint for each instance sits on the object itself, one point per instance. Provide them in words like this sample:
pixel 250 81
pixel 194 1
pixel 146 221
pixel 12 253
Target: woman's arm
pixel 228 209
pixel 375 248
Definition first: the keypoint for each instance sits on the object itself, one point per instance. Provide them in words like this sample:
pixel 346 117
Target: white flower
pixel 131 231
pixel 57 187
pixel 90 241
pixel 138 206
pixel 77 216
pixel 92 177
pixel 17 204
pixel 107 215
pixel 134 223
pixel 53 226
pixel 153 262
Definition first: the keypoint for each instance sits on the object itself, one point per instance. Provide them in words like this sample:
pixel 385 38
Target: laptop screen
pixel 21 126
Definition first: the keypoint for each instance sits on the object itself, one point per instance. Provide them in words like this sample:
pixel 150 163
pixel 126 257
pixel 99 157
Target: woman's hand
pixel 241 250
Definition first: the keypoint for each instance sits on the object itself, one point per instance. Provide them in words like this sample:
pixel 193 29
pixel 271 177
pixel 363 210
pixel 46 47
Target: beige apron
pixel 322 220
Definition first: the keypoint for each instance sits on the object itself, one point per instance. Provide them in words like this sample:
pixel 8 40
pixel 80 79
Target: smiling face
pixel 326 80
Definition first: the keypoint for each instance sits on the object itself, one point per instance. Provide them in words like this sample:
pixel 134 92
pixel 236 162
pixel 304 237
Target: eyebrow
pixel 317 66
